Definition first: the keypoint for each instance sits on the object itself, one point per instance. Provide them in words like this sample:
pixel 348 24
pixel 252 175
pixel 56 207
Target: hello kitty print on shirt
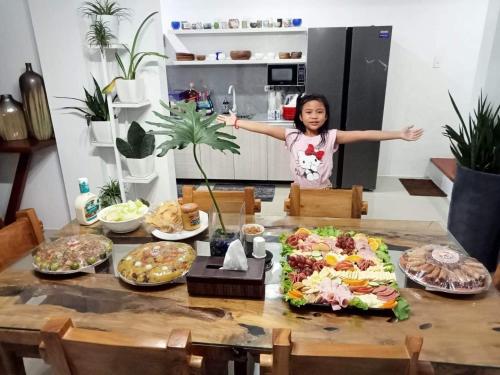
pixel 309 162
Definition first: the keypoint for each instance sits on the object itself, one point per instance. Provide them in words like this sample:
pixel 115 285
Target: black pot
pixel 219 242
pixel 474 215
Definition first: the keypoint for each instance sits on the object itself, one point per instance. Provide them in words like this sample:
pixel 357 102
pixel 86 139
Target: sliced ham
pixel 389 297
pixel 380 288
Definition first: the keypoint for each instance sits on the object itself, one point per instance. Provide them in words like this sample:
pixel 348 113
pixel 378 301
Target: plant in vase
pixel 99 35
pixel 109 194
pixel 138 150
pixel 96 112
pixel 106 12
pixel 185 126
pixel 129 88
pixel 475 202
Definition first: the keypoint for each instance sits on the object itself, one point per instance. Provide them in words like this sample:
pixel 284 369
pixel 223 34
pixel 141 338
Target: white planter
pixel 101 131
pixel 141 167
pixel 130 90
pixel 113 23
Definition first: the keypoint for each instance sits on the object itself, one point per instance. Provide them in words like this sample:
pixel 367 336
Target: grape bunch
pixel 304 267
pixel 346 243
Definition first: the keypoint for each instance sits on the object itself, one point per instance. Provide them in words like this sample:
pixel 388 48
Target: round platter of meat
pixel 446 270
pixel 72 254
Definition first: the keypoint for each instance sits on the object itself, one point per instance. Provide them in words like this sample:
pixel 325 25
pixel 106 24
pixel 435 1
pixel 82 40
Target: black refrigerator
pixel 349 66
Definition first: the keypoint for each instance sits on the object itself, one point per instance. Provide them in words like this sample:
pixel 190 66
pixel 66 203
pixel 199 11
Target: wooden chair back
pixel 19 237
pixel 496 277
pixel 315 358
pixel 341 203
pixel 71 350
pixel 204 201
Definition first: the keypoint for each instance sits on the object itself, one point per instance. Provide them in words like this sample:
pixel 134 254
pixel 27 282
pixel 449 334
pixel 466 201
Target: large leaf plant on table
pixel 184 126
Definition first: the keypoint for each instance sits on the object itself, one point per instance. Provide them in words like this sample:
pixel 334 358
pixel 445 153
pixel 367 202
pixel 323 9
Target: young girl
pixel 311 144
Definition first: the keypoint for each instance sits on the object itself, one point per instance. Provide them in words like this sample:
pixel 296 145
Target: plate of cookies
pixel 440 268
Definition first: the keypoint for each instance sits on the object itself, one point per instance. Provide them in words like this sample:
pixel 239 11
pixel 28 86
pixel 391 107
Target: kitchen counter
pixel 262 117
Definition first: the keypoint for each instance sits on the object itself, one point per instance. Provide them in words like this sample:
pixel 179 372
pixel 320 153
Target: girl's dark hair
pixel 299 125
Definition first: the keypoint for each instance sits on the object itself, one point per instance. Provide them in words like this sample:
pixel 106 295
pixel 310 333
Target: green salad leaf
pixel 327 231
pixel 356 302
pixel 402 309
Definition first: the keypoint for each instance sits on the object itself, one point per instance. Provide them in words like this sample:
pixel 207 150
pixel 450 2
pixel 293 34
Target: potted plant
pixel 138 151
pixel 99 35
pixel 186 126
pixel 106 12
pixel 109 194
pixel 96 112
pixel 130 89
pixel 475 200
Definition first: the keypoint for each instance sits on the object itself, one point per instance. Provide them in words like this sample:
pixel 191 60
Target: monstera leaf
pixel 184 126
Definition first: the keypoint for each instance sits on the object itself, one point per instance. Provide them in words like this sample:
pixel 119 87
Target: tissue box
pixel 206 279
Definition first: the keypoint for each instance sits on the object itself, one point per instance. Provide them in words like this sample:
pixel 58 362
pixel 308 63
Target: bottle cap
pixel 83 183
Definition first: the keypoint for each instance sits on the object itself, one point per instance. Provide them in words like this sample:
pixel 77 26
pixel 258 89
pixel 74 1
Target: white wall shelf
pixel 238 62
pixel 100 144
pixel 131 105
pixel 140 180
pixel 262 30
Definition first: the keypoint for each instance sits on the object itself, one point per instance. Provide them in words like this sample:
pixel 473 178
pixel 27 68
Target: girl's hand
pixel 228 120
pixel 410 134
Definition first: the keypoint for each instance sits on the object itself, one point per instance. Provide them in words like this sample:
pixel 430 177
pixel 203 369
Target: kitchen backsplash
pixel 249 82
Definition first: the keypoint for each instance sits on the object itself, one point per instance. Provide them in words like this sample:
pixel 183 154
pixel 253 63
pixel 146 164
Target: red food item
pixel 346 243
pixel 361 289
pixel 364 264
pixel 344 266
pixel 293 240
pixel 380 288
pixel 389 297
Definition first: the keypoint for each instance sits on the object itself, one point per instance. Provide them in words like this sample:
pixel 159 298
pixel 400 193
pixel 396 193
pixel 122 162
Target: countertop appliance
pixel 349 66
pixel 286 74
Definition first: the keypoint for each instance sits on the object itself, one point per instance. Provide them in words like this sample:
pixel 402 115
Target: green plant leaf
pixel 147 146
pixel 125 149
pixel 135 135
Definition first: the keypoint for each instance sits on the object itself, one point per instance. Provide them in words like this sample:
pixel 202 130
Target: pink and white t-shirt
pixel 310 163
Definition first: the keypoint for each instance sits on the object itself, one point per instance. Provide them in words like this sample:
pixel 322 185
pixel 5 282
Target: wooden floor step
pixel 446 165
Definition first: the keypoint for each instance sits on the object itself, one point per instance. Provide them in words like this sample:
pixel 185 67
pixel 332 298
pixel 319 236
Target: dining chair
pixel 19 237
pixel 203 200
pixel 318 358
pixel 340 203
pixel 71 350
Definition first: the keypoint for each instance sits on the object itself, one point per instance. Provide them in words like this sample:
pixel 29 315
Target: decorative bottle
pixel 12 122
pixel 86 204
pixel 35 104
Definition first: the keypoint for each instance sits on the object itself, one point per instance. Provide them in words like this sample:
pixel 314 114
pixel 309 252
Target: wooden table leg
pixel 10 363
pixel 214 366
pixel 16 194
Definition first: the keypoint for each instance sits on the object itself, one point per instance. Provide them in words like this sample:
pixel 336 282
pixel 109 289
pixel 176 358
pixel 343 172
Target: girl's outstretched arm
pixel 274 131
pixel 351 136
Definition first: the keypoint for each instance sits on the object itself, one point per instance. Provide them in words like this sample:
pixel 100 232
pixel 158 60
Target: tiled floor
pixel 389 201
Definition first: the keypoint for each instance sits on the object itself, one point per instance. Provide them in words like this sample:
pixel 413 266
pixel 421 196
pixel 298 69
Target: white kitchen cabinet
pixel 217 164
pixel 251 164
pixel 185 166
pixel 278 161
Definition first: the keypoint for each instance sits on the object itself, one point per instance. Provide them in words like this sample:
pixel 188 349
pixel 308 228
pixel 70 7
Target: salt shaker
pixel 259 247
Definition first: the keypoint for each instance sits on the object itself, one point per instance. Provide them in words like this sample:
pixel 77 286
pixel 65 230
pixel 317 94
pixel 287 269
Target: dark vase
pixel 474 214
pixel 35 104
pixel 219 242
pixel 12 122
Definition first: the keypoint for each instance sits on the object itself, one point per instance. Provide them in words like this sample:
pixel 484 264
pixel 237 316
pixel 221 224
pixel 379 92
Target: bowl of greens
pixel 123 217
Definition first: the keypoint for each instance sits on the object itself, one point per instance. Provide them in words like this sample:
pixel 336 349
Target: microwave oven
pixel 286 74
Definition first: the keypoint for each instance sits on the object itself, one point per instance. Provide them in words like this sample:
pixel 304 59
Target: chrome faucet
pixel 232 90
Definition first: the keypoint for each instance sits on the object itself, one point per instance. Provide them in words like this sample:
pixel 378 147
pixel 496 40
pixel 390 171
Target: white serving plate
pixel 183 234
pixel 87 269
pixel 136 283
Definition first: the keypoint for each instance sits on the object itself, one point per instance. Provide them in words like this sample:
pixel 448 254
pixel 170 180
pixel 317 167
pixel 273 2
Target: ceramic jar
pixel 12 121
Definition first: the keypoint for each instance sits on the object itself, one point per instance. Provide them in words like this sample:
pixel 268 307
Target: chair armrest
pixel 286 206
pixel 266 364
pixel 364 208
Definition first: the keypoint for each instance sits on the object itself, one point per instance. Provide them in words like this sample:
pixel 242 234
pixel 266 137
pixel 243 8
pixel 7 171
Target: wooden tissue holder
pixel 206 279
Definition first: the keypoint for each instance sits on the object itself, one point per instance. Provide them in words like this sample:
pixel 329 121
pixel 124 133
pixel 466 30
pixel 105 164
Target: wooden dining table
pixel 458 331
